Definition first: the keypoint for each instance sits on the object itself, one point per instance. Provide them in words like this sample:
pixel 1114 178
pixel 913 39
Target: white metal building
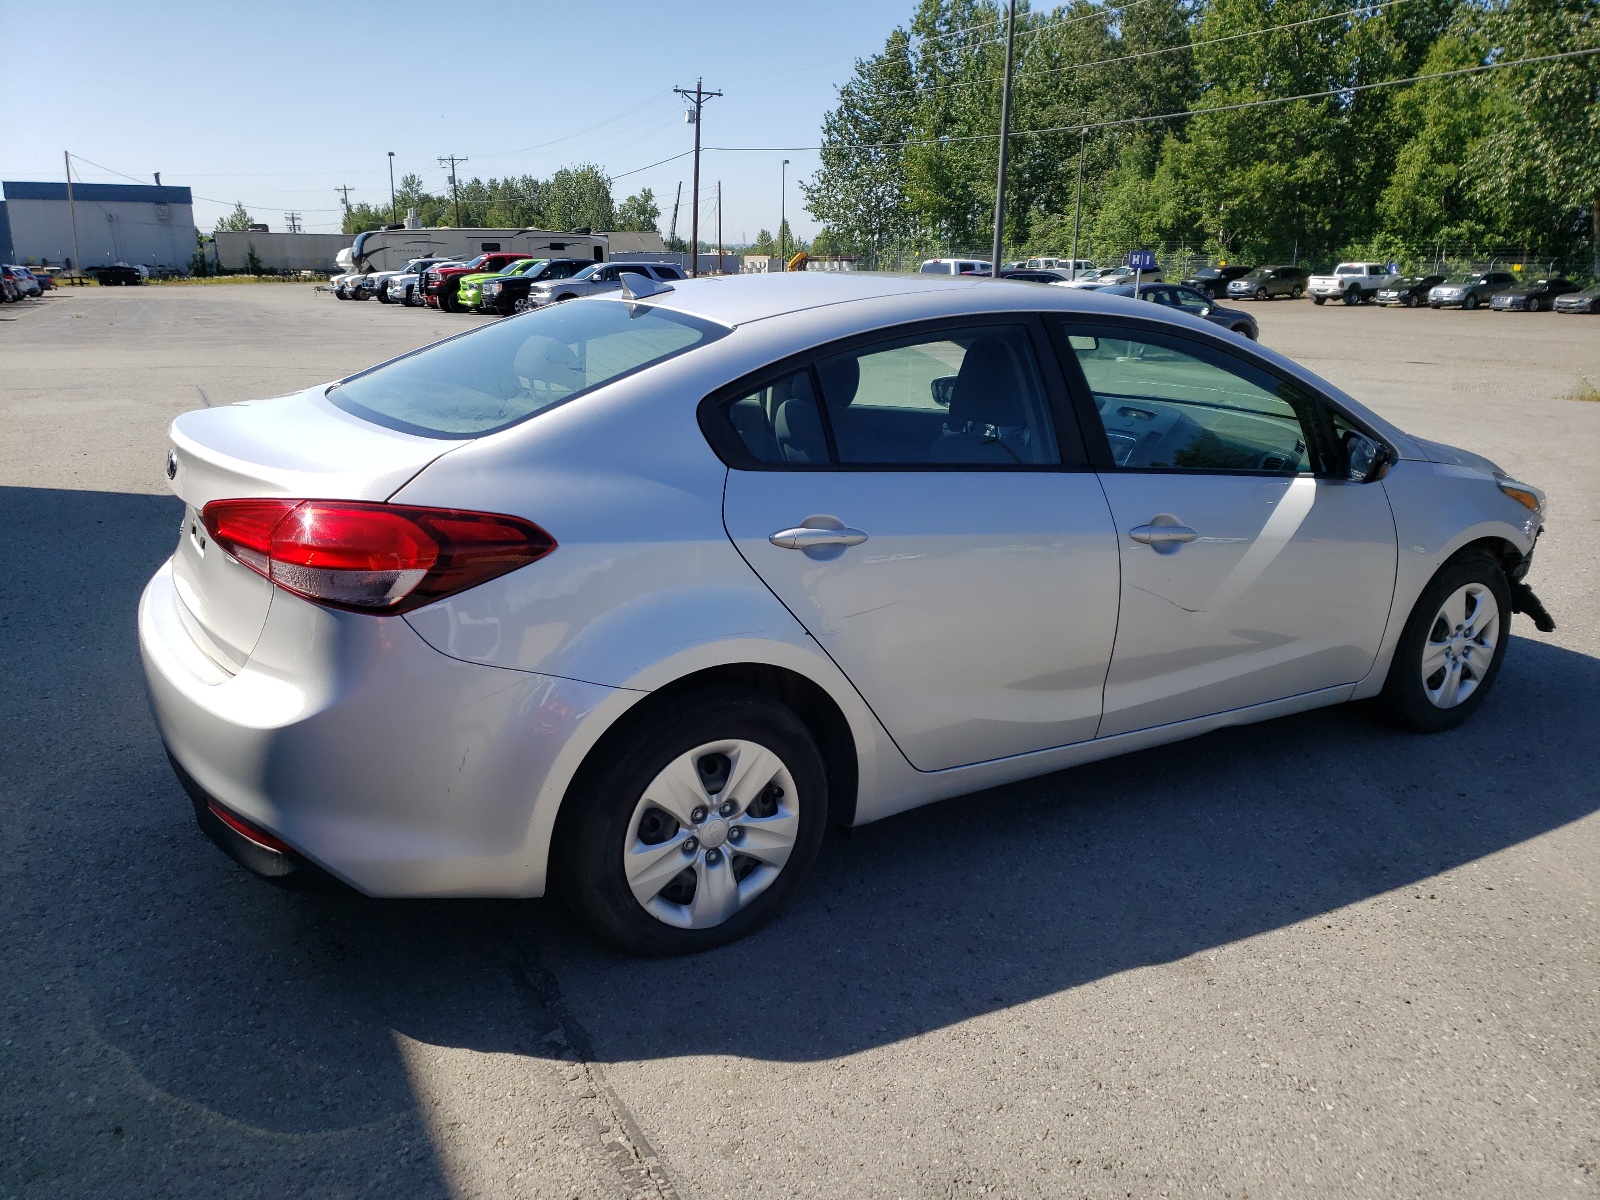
pixel 139 224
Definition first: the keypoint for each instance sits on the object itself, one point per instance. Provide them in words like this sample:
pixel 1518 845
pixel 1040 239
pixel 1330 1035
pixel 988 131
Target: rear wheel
pixel 696 830
pixel 1296 292
pixel 1319 301
pixel 1451 648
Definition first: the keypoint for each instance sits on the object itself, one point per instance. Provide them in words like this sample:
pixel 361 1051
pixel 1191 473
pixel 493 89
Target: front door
pixel 920 524
pixel 1249 573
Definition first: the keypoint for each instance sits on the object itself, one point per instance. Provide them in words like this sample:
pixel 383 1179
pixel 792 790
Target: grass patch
pixel 214 280
pixel 1585 390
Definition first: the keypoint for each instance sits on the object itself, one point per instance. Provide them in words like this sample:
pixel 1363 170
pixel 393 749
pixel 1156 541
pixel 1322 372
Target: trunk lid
pixel 298 445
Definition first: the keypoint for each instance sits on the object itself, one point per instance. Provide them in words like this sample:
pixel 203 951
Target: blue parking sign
pixel 1142 260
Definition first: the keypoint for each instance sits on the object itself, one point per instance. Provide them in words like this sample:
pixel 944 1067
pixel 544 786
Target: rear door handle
pixel 1165 533
pixel 819 536
pixel 805 538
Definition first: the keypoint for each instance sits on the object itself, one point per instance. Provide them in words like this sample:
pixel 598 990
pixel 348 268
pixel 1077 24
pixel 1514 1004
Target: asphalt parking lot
pixel 1308 958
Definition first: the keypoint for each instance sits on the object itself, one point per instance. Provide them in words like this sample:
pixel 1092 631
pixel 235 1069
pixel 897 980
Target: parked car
pixel 1270 282
pixel 1470 290
pixel 954 266
pixel 341 284
pixel 1586 301
pixel 1534 296
pixel 406 288
pixel 1352 282
pixel 1114 275
pixel 1038 275
pixel 510 294
pixel 23 280
pixel 376 283
pixel 1409 290
pixel 1193 302
pixel 440 283
pixel 1214 281
pixel 117 275
pixel 596 280
pixel 1075 268
pixel 469 292
pixel 8 288
pixel 640 596
pixel 46 277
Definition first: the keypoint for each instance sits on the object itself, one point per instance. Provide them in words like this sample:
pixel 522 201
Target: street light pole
pixel 393 210
pixel 1077 204
pixel 1005 131
pixel 783 218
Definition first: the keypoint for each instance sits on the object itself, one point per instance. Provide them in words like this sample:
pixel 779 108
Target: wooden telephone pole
pixel 699 97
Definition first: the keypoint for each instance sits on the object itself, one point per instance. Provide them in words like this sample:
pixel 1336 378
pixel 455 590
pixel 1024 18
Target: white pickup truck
pixel 1352 282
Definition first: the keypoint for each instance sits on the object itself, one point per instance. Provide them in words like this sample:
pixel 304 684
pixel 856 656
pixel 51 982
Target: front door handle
pixel 819 536
pixel 1165 533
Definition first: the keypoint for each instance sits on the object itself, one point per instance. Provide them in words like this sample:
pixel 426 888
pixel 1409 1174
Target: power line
pixel 1346 90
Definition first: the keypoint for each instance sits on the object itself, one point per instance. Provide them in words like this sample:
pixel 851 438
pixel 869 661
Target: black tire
pixel 1244 331
pixel 1404 702
pixel 1319 301
pixel 382 293
pixel 1352 296
pixel 1410 300
pixel 448 302
pixel 1470 303
pixel 1296 292
pixel 587 856
pixel 1261 294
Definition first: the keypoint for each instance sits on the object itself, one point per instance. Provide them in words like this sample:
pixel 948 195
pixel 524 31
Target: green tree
pixel 639 212
pixel 238 221
pixel 579 196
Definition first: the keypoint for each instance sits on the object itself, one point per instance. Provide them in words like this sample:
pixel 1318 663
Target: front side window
pixel 1170 405
pixel 1191 301
pixel 484 381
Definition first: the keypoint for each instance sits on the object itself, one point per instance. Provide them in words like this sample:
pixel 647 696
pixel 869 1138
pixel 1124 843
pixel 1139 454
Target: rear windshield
pixel 491 378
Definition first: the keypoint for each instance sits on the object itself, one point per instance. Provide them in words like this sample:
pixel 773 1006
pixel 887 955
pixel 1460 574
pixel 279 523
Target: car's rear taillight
pixel 372 557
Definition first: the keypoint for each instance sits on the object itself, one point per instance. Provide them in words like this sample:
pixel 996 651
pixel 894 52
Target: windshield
pixel 1260 273
pixel 1460 280
pixel 588 272
pixel 533 264
pixel 486 380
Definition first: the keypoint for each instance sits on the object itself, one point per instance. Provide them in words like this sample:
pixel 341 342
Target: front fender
pixel 1438 510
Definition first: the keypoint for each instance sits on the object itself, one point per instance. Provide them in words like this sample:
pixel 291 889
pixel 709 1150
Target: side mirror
pixel 943 389
pixel 1365 460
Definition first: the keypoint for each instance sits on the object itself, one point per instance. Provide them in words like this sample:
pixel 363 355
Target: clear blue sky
pixel 276 104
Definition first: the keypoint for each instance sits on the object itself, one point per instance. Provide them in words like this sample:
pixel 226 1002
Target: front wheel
pixel 1261 293
pixel 382 293
pixel 1410 301
pixel 694 832
pixel 1451 648
pixel 1470 303
pixel 1352 296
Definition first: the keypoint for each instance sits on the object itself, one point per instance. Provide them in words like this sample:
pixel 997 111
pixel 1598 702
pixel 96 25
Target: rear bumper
pixel 398 769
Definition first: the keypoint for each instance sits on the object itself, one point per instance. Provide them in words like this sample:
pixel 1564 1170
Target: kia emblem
pixel 172 464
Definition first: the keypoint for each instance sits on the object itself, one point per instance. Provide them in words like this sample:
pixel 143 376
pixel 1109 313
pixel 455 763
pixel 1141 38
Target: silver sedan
pixel 633 596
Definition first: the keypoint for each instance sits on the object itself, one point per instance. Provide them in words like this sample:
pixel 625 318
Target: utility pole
pixel 783 219
pixel 450 160
pixel 700 96
pixel 719 226
pixel 292 220
pixel 672 230
pixel 1077 204
pixel 394 217
pixel 1005 137
pixel 344 190
pixel 77 259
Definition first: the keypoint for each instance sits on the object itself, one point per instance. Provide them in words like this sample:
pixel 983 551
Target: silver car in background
pixel 630 597
pixel 596 281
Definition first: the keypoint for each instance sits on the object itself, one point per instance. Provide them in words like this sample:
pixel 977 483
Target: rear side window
pixel 493 377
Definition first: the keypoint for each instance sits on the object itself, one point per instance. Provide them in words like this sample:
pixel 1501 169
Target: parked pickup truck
pixel 440 284
pixel 1354 283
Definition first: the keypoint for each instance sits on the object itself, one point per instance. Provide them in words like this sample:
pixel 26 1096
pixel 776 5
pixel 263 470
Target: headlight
pixel 491 289
pixel 1522 493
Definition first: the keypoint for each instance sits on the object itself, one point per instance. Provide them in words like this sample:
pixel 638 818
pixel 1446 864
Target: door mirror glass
pixel 942 388
pixel 1364 458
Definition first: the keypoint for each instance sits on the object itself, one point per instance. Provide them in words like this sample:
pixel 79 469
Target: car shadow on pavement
pixel 170 1018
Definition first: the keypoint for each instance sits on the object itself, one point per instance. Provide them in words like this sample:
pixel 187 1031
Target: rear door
pixel 916 503
pixel 1250 573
